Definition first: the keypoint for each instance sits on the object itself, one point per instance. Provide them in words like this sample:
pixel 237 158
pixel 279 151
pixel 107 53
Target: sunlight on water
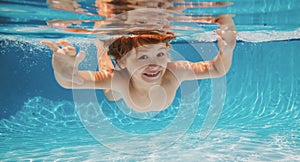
pixel 59 19
pixel 47 130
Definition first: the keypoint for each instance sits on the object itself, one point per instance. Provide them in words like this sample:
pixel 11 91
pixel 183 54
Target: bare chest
pixel 156 99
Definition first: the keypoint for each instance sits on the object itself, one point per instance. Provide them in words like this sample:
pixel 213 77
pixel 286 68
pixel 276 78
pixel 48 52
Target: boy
pixel 146 78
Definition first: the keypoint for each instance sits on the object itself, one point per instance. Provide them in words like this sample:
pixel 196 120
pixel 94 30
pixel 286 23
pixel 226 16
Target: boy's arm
pixel 221 63
pixel 65 65
pixel 91 80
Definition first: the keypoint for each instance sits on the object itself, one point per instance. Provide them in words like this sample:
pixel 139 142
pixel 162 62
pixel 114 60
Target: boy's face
pixel 147 63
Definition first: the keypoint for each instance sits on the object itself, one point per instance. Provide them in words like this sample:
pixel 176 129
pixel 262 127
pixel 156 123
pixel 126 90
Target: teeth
pixel 152 74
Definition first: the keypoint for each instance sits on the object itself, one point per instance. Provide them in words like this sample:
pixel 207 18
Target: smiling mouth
pixel 152 75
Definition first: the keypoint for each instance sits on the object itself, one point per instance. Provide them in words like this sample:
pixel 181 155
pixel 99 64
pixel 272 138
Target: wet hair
pixel 121 46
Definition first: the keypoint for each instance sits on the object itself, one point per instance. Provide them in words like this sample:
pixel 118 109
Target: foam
pixel 253 36
pixel 207 36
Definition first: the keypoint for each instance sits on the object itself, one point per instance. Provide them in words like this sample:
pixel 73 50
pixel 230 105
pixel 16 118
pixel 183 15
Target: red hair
pixel 121 46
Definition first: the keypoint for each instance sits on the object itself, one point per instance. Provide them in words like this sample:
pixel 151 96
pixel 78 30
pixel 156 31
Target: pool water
pixel 258 120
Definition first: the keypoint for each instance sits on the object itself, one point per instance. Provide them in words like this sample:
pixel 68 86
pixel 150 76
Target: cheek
pixel 135 68
pixel 164 62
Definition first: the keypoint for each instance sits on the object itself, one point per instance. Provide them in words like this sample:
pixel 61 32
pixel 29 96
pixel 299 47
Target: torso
pixel 158 98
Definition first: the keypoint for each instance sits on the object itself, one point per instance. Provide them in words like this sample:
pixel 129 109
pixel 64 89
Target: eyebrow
pixel 138 54
pixel 161 48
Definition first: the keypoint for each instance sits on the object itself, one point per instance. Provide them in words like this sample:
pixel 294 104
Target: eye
pixel 144 57
pixel 141 22
pixel 161 54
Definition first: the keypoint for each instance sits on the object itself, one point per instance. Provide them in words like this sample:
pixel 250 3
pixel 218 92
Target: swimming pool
pixel 259 119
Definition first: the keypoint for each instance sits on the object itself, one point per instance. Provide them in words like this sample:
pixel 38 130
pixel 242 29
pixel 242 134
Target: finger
pixel 220 32
pixel 50 44
pixel 99 45
pixel 63 43
pixel 79 58
pixel 69 50
pixel 221 42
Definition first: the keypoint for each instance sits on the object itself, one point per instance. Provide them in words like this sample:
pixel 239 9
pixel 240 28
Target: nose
pixel 153 66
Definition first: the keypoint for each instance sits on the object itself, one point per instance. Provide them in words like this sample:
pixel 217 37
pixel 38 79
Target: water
pixel 258 122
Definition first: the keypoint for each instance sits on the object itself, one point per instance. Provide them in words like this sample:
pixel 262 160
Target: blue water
pixel 259 120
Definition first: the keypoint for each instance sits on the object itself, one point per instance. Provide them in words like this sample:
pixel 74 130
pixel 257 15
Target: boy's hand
pixel 65 61
pixel 226 33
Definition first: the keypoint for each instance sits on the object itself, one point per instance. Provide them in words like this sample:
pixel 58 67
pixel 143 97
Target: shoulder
pixel 179 69
pixel 120 78
pixel 121 74
pixel 179 65
pixel 186 70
